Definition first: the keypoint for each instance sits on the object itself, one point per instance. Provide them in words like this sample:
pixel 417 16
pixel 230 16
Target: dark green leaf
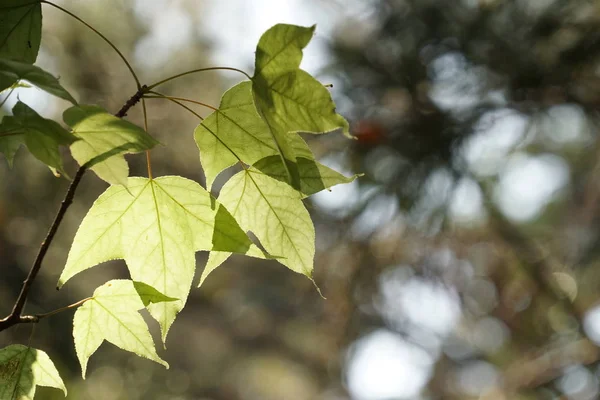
pixel 11 138
pixel 20 29
pixel 13 71
pixel 313 176
pixel 42 136
pixel 23 369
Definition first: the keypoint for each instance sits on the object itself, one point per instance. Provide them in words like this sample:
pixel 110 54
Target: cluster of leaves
pixel 157 224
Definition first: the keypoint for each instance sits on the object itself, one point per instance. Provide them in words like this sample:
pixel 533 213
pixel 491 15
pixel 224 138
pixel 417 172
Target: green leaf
pixel 156 225
pixel 101 133
pixel 11 138
pixel 20 30
pixel 22 369
pixel 112 315
pixel 42 136
pixel 274 212
pixel 13 71
pixel 237 131
pixel 288 98
pixel 314 176
pixel 148 294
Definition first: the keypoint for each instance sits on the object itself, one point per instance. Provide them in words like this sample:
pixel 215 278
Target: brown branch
pixel 15 316
pixel 132 101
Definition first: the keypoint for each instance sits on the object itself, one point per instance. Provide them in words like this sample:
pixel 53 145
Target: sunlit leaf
pixel 234 130
pixel 13 71
pixel 287 98
pixel 215 259
pixel 22 369
pixel 112 315
pixel 274 212
pixel 237 131
pixel 101 132
pixel 20 29
pixel 156 226
pixel 42 136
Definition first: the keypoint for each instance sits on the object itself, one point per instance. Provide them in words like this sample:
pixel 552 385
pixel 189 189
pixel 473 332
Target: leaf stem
pixel 58 310
pixel 7 96
pixel 111 44
pixel 174 100
pixel 148 161
pixel 34 319
pixel 177 100
pixel 160 95
pixel 198 70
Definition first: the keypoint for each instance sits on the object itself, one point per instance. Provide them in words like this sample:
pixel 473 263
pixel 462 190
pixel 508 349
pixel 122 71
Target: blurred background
pixel 464 264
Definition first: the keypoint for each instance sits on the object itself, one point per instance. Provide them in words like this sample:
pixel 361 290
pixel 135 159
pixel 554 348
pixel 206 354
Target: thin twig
pixel 176 102
pixel 160 95
pixel 199 70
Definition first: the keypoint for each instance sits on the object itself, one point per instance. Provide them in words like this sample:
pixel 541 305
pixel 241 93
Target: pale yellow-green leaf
pixel 156 225
pixel 274 212
pixel 22 369
pixel 232 133
pixel 215 259
pixel 112 315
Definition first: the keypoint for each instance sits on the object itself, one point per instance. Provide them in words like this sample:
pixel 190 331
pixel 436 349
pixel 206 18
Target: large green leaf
pixel 42 136
pixel 22 369
pixel 112 315
pixel 101 132
pixel 156 225
pixel 288 99
pixel 274 212
pixel 236 132
pixel 20 29
pixel 13 71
